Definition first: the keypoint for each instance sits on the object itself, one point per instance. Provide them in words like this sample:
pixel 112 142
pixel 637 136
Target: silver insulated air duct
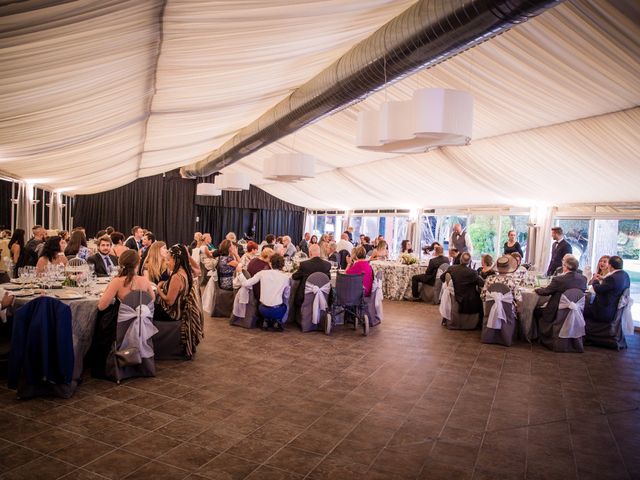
pixel 424 35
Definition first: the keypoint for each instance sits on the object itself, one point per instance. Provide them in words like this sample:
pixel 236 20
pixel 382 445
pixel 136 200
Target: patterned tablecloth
pixel 396 284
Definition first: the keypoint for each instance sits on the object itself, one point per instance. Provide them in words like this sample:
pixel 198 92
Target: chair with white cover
pixel 566 332
pixel 453 319
pixel 245 307
pixel 374 301
pixel 135 329
pixel 433 294
pixel 217 302
pixel 499 324
pixel 314 308
pixel 611 335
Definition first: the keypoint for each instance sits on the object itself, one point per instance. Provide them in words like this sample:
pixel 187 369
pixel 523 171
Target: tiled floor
pixel 412 401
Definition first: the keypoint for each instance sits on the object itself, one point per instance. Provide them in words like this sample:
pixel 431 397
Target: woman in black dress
pixel 511 245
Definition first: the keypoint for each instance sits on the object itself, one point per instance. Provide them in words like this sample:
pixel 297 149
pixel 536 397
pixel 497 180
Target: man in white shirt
pixel 344 243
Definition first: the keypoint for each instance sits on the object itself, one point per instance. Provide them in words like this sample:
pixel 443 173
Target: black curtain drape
pixel 5 204
pixel 162 203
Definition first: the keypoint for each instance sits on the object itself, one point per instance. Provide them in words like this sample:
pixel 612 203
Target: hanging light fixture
pixel 232 181
pixel 434 117
pixel 208 190
pixel 289 167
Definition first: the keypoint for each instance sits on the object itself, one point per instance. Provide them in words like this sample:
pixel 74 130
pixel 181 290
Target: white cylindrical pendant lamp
pixel 443 116
pixel 289 167
pixel 208 190
pixel 232 181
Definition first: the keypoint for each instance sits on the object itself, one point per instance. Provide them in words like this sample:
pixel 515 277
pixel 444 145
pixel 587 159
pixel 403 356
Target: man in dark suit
pixel 466 284
pixel 570 278
pixel 559 249
pixel 102 260
pixel 429 277
pixel 134 242
pixel 307 267
pixel 608 291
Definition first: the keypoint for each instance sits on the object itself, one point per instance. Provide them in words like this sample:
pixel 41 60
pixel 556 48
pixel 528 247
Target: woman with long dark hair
pixel 51 254
pixel 77 246
pixel 18 252
pixel 180 299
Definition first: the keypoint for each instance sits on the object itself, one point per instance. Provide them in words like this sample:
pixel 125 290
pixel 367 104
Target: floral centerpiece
pixel 408 259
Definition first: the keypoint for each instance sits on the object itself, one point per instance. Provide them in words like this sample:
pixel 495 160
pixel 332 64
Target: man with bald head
pixel 307 267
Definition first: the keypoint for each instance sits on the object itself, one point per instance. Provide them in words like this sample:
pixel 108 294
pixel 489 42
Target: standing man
pixel 559 249
pixel 304 243
pixel 460 240
pixel 134 242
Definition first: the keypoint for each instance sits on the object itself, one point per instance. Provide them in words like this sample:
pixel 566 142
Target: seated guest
pixel 252 252
pixel 366 243
pixel 344 243
pixel 381 252
pixel 134 242
pixel 18 251
pixel 117 239
pixel 521 268
pixel 269 242
pixel 77 246
pixel 454 256
pixel 511 245
pixel 289 248
pixel 359 264
pixel 570 278
pixel 505 265
pixel 103 261
pixel 428 249
pixel 155 265
pixel 429 277
pixel 306 268
pixel 180 299
pixel 197 238
pixel 361 242
pixel 602 270
pixel 405 247
pixel 202 248
pixel 304 243
pixel 51 255
pixel 466 283
pixel 228 260
pixel 208 242
pixel 274 291
pixel 608 291
pixel 259 263
pixel 486 270
pixel 109 230
pixel 147 240
pixel 231 236
pixel 332 252
pixel 126 282
pixel 314 240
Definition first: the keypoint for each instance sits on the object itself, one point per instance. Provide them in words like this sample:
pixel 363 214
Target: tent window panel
pixel 622 238
pixel 400 233
pixel 519 224
pixel 576 232
pixel 483 229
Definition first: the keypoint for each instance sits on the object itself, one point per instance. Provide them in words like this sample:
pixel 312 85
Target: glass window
pixel 443 232
pixel 483 230
pixel 428 232
pixel 400 233
pixel 519 223
pixel 622 238
pixel 576 232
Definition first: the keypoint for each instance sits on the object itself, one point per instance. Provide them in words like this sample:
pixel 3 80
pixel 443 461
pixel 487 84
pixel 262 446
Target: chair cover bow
pixel 627 320
pixel 445 301
pixel 497 315
pixel 140 330
pixel 376 292
pixel 319 300
pixel 573 326
pixel 241 300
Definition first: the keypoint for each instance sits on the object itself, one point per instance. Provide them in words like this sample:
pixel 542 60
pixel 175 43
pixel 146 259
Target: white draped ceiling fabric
pixel 94 94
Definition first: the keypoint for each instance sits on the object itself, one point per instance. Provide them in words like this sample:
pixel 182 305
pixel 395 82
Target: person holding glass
pixel 512 245
pixel 602 270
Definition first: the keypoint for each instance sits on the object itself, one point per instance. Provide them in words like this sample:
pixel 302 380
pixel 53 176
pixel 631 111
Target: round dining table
pixel 396 282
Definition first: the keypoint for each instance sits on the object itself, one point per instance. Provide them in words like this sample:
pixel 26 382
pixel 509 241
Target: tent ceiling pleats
pixel 94 94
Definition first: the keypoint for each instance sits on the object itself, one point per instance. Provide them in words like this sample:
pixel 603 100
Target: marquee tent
pixel 94 94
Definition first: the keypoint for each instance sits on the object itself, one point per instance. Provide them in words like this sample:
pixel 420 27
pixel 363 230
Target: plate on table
pixel 12 286
pixel 23 293
pixel 69 295
pixel 103 280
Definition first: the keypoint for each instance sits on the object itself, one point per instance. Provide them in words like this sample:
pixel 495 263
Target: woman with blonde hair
pixel 155 265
